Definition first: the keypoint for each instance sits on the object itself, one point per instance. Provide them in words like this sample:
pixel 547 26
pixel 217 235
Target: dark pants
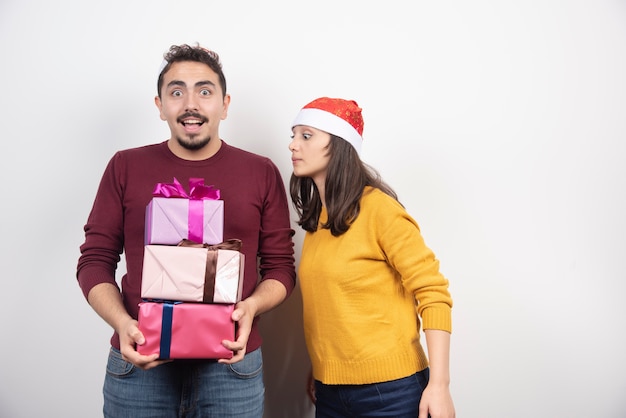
pixel 395 399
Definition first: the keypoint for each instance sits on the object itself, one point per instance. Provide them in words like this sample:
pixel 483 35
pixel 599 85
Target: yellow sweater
pixel 362 294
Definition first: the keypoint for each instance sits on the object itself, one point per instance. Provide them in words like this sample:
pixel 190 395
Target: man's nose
pixel 191 103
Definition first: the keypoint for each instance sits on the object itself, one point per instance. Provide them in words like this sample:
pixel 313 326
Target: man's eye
pixel 177 93
pixel 205 92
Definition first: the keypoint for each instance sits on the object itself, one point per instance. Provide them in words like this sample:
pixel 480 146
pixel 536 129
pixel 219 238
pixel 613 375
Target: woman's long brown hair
pixel 346 179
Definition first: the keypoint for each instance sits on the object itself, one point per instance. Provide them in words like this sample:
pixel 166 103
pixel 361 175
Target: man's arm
pixel 267 295
pixel 106 300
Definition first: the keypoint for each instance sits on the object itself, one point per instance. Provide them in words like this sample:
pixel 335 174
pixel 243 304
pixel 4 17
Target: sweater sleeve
pixel 276 249
pixel 103 245
pixel 406 251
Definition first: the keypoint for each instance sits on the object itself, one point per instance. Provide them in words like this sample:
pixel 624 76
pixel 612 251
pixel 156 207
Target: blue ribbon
pixel 166 330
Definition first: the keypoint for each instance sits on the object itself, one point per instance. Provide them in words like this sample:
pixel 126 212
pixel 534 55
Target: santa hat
pixel 338 117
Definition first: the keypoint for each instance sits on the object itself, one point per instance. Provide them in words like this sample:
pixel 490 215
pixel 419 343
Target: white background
pixel 500 124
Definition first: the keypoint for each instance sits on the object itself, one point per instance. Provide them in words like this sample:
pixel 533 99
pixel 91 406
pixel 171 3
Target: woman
pixel 368 281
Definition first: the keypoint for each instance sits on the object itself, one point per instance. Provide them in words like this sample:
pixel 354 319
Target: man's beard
pixel 191 145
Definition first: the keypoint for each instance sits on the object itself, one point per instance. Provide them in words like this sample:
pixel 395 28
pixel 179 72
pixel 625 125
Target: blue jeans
pixel 395 399
pixel 184 388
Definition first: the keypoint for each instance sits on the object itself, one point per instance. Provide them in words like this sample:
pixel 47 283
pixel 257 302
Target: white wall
pixel 500 124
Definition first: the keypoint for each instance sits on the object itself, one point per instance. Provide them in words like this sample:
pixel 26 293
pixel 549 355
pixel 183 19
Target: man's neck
pixel 203 153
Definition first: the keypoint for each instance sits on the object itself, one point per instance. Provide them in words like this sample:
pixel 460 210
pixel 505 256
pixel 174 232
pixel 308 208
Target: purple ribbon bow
pixel 198 192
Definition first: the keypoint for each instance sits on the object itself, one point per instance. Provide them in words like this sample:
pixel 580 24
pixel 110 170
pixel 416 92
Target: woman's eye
pixel 306 136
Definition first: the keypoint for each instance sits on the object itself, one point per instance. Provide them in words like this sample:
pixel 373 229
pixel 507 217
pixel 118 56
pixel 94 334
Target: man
pixel 193 100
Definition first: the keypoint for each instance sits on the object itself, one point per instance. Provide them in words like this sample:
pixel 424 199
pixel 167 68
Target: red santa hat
pixel 338 117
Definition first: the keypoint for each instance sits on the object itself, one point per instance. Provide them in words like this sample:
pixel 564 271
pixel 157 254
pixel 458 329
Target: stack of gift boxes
pixel 191 277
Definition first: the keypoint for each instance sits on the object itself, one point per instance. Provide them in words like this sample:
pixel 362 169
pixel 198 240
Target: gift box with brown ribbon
pixel 193 272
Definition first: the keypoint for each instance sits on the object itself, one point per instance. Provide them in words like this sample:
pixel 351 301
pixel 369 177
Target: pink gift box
pixel 169 220
pixel 186 330
pixel 193 273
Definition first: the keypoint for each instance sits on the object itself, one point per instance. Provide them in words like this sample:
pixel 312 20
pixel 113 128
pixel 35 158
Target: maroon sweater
pixel 255 211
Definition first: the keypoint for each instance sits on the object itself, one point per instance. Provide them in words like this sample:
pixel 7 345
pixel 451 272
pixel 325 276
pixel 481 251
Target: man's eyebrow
pixel 204 83
pixel 183 84
pixel 176 83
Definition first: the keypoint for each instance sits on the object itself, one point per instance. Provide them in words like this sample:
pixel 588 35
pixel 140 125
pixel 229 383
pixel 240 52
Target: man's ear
pixel 226 104
pixel 159 105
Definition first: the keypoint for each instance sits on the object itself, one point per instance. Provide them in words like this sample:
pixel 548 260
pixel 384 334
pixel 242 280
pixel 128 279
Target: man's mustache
pixel 198 116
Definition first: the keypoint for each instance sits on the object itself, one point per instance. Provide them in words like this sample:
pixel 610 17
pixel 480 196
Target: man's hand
pixel 130 336
pixel 243 315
